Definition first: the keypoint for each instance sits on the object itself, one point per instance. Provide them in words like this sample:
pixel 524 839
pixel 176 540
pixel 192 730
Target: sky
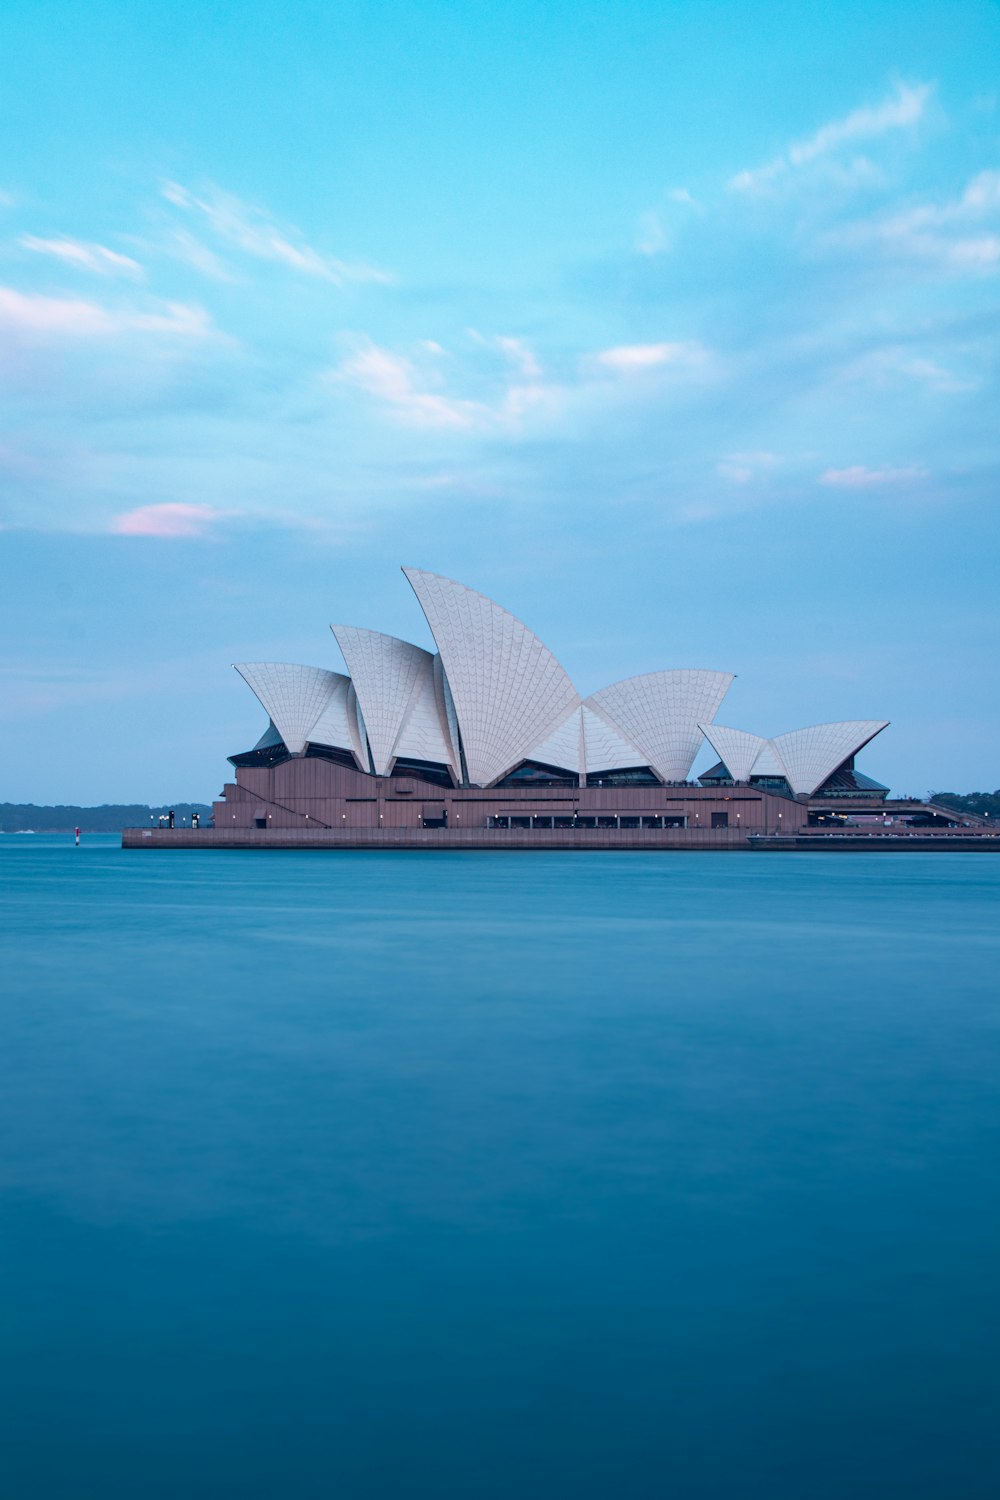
pixel 672 327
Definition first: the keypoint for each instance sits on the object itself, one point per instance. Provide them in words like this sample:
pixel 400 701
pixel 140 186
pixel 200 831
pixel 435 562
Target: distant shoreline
pixel 109 817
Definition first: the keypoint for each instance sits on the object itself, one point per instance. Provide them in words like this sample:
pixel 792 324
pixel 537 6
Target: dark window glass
pixel 630 776
pixel 720 820
pixel 534 773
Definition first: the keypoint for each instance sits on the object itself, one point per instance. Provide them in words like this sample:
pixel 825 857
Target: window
pixel 534 773
pixel 720 820
pixel 630 776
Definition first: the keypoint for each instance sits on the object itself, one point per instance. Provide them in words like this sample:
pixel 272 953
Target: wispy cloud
pixel 169 521
pixel 414 395
pixel 903 108
pixel 858 477
pixel 630 359
pixel 394 380
pixel 517 351
pixel 186 247
pixel 741 468
pixel 84 255
pixel 894 363
pixel 651 237
pixel 251 230
pixel 36 316
pixel 653 231
pixel 960 235
pixel 414 388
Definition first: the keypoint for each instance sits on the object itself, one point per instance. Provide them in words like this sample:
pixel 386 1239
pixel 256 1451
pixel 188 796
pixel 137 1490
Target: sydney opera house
pixel 485 741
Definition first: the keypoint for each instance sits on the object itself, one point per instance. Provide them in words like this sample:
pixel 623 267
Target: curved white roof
pixel 737 749
pixel 607 749
pixel 811 755
pixel 304 703
pixel 564 746
pixel 425 734
pixel 661 713
pixel 768 762
pixel 509 691
pixel 337 724
pixel 388 676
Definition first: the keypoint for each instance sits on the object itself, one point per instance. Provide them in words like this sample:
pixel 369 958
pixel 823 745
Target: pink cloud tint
pixel 859 478
pixel 170 520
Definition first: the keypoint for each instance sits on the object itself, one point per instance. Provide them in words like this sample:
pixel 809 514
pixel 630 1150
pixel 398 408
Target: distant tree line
pixel 112 817
pixel 972 802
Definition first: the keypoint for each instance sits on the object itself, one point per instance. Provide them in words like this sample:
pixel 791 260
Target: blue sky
pixel 674 328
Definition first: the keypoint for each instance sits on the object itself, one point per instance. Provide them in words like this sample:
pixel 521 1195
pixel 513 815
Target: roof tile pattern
pixel 811 755
pixel 768 762
pixel 661 713
pixel 607 749
pixel 509 691
pixel 737 749
pixel 388 675
pixel 296 698
pixel 563 746
pixel 335 725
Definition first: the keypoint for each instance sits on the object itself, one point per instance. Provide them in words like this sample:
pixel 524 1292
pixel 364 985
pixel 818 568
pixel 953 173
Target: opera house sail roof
pixel 493 706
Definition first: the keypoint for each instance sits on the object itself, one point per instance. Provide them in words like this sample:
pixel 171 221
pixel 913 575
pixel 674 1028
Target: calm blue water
pixel 497 1176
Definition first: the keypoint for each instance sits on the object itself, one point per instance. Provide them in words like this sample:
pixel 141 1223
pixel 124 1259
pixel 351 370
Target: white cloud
pixel 73 317
pixel 741 468
pixel 170 520
pixel 628 359
pixel 951 235
pixel 903 108
pixel 858 477
pixel 187 248
pixel 651 237
pixel 520 355
pixel 249 229
pixel 392 379
pixel 84 255
pixel 411 393
pixel 412 388
pixel 887 366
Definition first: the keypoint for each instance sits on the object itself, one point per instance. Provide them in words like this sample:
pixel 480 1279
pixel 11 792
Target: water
pixel 498 1175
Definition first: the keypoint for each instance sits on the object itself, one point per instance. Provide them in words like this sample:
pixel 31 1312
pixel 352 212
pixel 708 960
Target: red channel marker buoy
pixel 78 838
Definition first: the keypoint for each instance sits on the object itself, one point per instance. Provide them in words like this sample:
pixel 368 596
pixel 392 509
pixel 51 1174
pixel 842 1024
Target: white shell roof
pixel 509 691
pixel 768 762
pixel 811 755
pixel 304 703
pixel 564 746
pixel 389 676
pixel 737 749
pixel 661 712
pixel 424 734
pixel 607 749
pixel 336 724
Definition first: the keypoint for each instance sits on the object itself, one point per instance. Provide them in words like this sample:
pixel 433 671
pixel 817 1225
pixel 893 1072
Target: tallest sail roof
pixel 510 692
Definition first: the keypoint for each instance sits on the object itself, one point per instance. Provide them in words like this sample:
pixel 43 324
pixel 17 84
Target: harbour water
pixel 489 1175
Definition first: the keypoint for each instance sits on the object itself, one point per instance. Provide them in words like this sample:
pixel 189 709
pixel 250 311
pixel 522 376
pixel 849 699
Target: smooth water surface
pixel 499 1176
